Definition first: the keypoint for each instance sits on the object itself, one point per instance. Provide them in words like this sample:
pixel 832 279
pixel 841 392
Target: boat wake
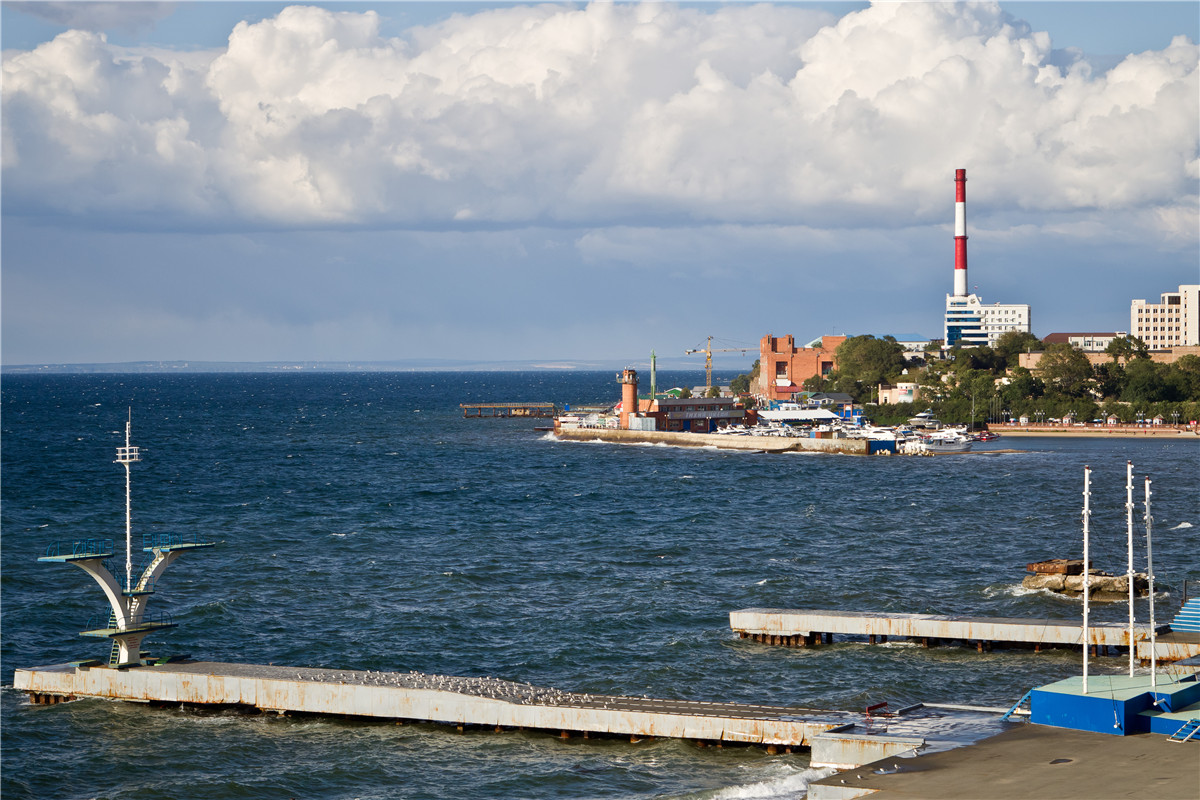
pixel 1181 526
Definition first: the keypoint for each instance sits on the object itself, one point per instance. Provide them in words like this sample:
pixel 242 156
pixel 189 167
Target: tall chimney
pixel 960 233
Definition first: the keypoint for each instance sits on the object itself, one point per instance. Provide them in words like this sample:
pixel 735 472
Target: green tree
pixel 742 383
pixel 1185 375
pixel 1125 348
pixel 817 383
pixel 1010 344
pixel 1145 382
pixel 1066 368
pixel 869 360
pixel 977 358
pixel 1110 379
pixel 713 391
pixel 1022 384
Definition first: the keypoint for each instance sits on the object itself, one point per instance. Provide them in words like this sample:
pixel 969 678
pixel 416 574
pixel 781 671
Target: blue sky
pixel 235 181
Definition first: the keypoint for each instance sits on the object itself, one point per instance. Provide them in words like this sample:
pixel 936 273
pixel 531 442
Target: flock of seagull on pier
pixel 489 687
pixel 527 694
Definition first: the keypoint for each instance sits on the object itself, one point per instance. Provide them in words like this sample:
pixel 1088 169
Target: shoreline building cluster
pixel 969 322
pixel 1170 328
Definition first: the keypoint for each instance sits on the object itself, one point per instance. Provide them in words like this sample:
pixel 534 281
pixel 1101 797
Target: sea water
pixel 362 523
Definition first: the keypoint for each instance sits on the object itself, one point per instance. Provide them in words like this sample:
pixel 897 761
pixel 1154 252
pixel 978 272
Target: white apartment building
pixel 1173 322
pixel 971 323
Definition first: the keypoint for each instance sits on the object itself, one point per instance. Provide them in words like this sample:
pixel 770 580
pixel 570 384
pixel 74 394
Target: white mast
pixel 1087 588
pixel 1129 570
pixel 1150 577
pixel 127 455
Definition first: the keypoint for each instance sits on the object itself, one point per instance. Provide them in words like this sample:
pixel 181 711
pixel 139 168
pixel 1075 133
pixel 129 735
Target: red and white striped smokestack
pixel 960 233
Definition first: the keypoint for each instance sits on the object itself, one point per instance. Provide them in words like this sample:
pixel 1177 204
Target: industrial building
pixel 1172 322
pixel 969 322
pixel 783 368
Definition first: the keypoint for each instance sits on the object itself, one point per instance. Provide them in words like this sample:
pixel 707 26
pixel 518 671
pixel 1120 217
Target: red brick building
pixel 783 368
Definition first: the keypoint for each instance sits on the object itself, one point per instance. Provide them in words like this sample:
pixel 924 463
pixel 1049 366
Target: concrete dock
pixel 808 627
pixel 840 739
pixel 418 697
pixel 762 444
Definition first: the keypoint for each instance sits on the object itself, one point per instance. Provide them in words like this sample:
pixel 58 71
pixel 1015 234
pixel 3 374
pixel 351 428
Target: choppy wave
pixel 1181 526
pixel 425 541
pixel 786 787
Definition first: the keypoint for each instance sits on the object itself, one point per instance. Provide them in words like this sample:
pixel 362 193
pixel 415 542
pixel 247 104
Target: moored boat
pixel 948 442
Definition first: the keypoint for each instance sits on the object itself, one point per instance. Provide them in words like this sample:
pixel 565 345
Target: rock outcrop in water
pixel 1065 576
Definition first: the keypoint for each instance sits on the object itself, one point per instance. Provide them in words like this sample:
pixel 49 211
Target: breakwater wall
pixel 766 444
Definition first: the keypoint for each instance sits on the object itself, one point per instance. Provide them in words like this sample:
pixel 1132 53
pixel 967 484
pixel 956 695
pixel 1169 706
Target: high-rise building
pixel 970 323
pixel 1173 322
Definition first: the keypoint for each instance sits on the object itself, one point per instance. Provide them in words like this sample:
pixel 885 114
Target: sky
pixel 352 181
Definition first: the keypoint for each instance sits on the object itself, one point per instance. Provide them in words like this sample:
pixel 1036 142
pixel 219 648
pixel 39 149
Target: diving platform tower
pixel 128 623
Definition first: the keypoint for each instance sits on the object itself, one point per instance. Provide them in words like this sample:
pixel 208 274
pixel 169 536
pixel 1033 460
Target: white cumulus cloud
pixel 600 115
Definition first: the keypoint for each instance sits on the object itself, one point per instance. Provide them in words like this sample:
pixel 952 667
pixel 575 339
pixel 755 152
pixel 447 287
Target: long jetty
pixel 758 444
pixel 490 703
pixel 808 627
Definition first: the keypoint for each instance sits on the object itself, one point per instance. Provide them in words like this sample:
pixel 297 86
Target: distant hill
pixel 679 363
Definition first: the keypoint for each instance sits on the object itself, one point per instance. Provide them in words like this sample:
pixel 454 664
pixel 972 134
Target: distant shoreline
pixel 1101 432
pixel 407 365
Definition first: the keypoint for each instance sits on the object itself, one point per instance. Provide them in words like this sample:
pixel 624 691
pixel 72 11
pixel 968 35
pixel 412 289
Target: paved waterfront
pixel 1035 762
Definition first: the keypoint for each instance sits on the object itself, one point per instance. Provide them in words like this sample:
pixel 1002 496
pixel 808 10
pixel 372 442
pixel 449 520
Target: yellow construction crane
pixel 708 351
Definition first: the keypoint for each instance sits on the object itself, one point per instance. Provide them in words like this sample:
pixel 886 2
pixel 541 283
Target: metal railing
pixel 98 622
pixel 163 541
pixel 1191 588
pixel 80 548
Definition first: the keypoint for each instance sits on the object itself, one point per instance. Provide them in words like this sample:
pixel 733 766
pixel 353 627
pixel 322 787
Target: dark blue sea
pixel 363 523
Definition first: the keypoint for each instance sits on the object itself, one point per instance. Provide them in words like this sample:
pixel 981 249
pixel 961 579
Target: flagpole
pixel 1087 589
pixel 1129 570
pixel 1150 578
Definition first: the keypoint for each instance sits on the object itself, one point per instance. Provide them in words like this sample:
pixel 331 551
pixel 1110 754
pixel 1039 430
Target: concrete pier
pixel 766 444
pixel 807 627
pixel 839 739
pixel 485 702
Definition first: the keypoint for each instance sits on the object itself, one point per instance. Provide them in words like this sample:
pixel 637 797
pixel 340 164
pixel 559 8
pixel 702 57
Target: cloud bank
pixel 600 116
